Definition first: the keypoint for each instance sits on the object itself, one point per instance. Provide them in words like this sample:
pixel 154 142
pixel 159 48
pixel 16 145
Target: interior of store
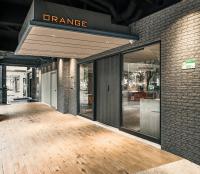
pixel 86 90
pixel 17 84
pixel 141 91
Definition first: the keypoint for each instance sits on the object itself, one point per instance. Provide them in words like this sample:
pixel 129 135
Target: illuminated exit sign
pixel 189 64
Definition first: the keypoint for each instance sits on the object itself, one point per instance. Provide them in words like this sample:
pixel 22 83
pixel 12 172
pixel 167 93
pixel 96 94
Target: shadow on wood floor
pixel 3 117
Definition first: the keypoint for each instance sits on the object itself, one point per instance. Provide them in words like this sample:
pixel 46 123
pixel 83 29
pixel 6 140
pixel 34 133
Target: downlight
pixel 131 42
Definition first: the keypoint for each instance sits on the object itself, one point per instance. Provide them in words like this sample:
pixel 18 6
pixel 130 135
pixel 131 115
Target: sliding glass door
pixel 141 91
pixel 86 99
pixel 1 84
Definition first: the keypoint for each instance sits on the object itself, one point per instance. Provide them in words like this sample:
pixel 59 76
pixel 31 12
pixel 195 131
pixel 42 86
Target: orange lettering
pixel 46 17
pixel 62 20
pixel 77 23
pixel 54 19
pixel 70 21
pixel 84 24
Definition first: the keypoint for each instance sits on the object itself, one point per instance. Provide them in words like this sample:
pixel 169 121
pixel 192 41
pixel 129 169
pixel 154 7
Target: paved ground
pixel 36 139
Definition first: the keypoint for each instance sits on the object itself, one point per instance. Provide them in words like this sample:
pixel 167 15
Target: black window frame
pixel 137 48
pixel 132 132
pixel 94 89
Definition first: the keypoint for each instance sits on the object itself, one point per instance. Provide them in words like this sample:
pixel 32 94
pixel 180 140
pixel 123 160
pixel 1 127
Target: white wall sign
pixel 189 64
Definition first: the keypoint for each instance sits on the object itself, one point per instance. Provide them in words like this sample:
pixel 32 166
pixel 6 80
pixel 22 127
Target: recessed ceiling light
pixel 131 41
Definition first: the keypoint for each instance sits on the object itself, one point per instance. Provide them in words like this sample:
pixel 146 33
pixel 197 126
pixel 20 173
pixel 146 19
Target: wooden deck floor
pixel 36 139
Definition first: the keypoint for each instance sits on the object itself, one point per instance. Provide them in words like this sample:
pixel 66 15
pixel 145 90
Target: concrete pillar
pixel 39 88
pixel 73 87
pixel 34 84
pixel 63 86
pixel 67 86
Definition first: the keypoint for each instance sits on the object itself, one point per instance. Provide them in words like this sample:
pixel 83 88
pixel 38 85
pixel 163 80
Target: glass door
pixel 1 85
pixel 86 90
pixel 141 91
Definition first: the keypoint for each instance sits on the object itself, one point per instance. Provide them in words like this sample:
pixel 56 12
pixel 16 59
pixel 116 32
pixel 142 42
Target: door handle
pixel 108 88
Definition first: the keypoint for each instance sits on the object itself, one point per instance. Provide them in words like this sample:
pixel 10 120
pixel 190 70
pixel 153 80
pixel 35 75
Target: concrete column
pixel 67 86
pixel 34 84
pixel 63 85
pixel 73 87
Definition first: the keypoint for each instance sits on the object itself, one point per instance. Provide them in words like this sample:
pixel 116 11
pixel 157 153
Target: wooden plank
pixel 37 139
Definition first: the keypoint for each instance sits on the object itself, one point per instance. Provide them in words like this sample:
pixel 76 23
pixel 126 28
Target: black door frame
pixel 152 139
pixel 121 97
pixel 94 89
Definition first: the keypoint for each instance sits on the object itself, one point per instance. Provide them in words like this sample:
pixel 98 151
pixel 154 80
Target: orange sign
pixel 67 21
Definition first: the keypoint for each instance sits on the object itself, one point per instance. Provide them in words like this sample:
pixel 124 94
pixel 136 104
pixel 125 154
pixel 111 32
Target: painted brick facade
pixel 178 29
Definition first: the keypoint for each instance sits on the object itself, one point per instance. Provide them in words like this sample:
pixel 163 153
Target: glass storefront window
pixel 1 84
pixel 141 91
pixel 86 90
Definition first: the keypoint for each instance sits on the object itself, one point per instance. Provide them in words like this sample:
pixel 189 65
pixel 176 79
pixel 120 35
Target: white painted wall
pixel 54 89
pixel 46 89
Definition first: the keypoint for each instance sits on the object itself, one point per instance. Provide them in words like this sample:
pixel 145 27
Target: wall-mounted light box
pixel 189 64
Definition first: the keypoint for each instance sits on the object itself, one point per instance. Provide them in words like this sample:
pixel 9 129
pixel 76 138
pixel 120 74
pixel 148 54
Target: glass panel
pixel 141 91
pixel 1 86
pixel 14 81
pixel 86 89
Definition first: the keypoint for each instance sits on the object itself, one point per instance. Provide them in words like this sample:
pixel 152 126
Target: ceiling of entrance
pixel 50 42
pixel 150 52
pixel 13 13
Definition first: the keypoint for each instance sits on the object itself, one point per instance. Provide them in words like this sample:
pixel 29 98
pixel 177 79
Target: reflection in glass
pixel 141 91
pixel 1 84
pixel 86 90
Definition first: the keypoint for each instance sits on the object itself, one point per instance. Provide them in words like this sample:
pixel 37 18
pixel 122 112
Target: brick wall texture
pixel 178 29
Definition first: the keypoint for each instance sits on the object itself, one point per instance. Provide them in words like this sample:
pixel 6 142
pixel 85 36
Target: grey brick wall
pixel 178 29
